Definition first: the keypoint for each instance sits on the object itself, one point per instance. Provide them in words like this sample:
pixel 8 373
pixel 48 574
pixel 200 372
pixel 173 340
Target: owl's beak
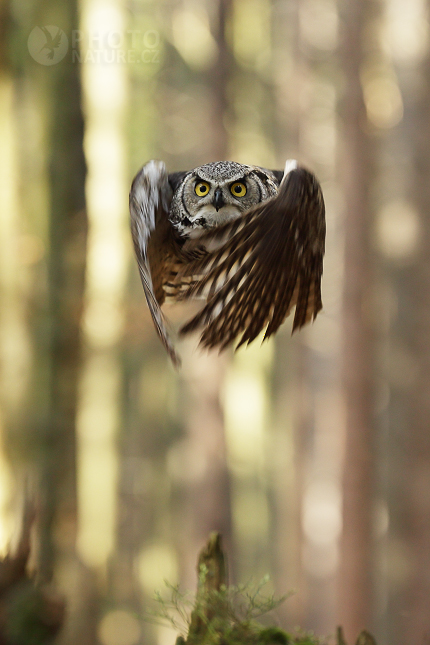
pixel 218 200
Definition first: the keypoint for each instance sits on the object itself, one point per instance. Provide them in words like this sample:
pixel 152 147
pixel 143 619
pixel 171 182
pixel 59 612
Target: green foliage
pixel 174 611
pixel 26 619
pixel 225 617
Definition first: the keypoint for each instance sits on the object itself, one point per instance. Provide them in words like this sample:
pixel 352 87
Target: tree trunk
pixel 409 601
pixel 355 600
pixel 59 339
pixel 66 272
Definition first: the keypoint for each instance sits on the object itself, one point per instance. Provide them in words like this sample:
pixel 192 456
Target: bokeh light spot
pixel 119 627
pixel 155 564
pixel 384 105
pixel 398 230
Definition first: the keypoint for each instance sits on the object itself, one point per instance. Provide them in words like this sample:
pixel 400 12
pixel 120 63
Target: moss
pixel 228 615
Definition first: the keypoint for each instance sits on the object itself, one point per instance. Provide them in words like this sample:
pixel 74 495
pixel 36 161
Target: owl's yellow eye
pixel 238 189
pixel 202 188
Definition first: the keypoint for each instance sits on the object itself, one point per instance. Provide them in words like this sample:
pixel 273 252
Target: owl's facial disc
pixel 209 198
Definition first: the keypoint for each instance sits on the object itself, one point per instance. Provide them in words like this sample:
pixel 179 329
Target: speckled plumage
pixel 248 240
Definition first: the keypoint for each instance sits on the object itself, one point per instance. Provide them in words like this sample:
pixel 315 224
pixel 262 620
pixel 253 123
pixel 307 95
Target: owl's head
pixel 218 192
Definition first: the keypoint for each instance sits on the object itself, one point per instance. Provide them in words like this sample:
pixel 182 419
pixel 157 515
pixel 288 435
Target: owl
pixel 246 240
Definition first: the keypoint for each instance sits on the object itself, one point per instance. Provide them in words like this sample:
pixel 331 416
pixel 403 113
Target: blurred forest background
pixel 310 454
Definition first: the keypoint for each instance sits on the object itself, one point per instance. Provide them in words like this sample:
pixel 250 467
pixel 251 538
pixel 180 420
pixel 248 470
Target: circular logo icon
pixel 47 45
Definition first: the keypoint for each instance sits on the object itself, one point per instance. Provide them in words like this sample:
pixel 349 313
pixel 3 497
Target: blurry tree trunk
pixel 67 254
pixel 219 80
pixel 206 488
pixel 355 598
pixel 409 617
pixel 61 339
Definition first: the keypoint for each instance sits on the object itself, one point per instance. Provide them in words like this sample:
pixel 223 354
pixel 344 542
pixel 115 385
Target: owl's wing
pixel 272 259
pixel 154 244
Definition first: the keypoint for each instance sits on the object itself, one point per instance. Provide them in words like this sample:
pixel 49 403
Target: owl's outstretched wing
pixel 272 259
pixel 150 197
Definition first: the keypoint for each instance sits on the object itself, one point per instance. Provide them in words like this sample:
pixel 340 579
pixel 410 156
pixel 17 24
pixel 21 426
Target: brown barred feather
pixel 271 262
